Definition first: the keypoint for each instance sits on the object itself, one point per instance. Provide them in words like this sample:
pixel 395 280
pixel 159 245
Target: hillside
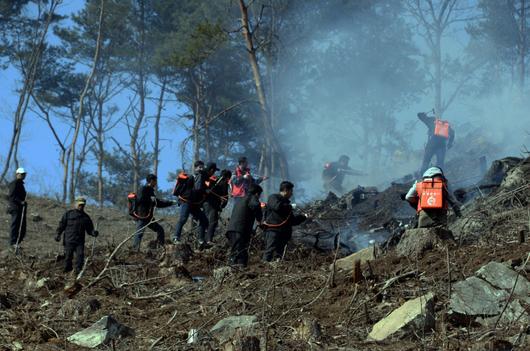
pixel 303 302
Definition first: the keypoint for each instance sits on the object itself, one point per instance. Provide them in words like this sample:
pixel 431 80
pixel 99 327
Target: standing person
pixel 440 139
pixel 144 212
pixel 431 198
pixel 17 208
pixel 334 172
pixel 191 201
pixel 244 214
pixel 74 225
pixel 242 179
pixel 216 201
pixel 279 221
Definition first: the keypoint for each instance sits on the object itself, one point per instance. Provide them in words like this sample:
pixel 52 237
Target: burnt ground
pixel 163 298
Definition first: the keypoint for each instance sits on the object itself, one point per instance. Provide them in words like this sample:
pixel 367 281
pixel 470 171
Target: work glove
pixel 95 233
pixel 246 176
pixel 57 238
pixel 403 196
pixel 173 202
pixel 293 206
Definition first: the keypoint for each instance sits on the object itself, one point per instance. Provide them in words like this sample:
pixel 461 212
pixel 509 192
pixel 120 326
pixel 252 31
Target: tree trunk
pixel 26 92
pixel 81 101
pixel 271 142
pixel 160 107
pixel 100 152
pixel 437 53
pixel 522 47
pixel 196 117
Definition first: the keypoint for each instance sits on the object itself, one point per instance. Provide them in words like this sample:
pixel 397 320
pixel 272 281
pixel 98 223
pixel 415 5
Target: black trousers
pixel 213 220
pixel 434 148
pixel 16 218
pixel 140 229
pixel 69 251
pixel 275 243
pixel 239 243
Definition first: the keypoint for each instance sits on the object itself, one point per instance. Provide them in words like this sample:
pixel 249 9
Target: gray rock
pixel 503 277
pixel 476 297
pixel 100 333
pixel 417 241
pixel 346 263
pixel 414 315
pixel 227 328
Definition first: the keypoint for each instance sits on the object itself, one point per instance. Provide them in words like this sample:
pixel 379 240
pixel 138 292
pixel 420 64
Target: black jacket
pixel 75 224
pixel 195 192
pixel 434 139
pixel 244 214
pixel 147 201
pixel 279 216
pixel 16 196
pixel 217 196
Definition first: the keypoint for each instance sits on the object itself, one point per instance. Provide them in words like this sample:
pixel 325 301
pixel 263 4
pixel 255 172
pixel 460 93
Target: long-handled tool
pixel 80 275
pixel 22 218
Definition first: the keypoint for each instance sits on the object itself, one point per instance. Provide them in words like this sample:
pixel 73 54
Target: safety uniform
pixel 440 138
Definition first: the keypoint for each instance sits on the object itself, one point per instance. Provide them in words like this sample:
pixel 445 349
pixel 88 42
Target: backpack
pixel 131 204
pixel 181 184
pixel 431 194
pixel 441 128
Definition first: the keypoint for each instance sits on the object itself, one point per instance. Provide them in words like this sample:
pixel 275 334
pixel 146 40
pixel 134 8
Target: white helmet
pixel 21 171
pixel 433 171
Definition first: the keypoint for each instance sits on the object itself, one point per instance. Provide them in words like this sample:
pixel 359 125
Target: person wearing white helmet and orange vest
pixel 17 208
pixel 431 198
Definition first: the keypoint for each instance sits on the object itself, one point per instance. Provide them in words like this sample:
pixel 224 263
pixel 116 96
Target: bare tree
pixel 79 117
pixel 29 73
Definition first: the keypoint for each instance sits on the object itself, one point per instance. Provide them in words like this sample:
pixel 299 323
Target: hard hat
pixel 80 200
pixel 433 171
pixel 21 171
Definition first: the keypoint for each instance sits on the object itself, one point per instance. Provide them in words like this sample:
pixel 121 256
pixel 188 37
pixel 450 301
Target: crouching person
pixel 73 227
pixel 245 212
pixel 279 222
pixel 431 198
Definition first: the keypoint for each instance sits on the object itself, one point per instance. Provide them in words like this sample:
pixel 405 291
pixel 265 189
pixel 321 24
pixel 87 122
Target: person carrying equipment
pixel 242 179
pixel 279 221
pixel 334 172
pixel 190 201
pixel 17 208
pixel 440 136
pixel 216 200
pixel 239 231
pixel 143 212
pixel 431 198
pixel 73 226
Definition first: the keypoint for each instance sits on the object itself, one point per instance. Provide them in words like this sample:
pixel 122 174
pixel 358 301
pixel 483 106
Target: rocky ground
pixel 412 289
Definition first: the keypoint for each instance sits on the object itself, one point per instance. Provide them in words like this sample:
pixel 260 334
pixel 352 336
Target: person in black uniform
pixel 74 225
pixel 216 200
pixel 334 172
pixel 279 221
pixel 17 208
pixel 145 205
pixel 440 136
pixel 245 212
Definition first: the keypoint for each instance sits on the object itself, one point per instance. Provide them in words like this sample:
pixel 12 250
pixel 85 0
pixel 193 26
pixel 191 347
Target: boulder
pixel 226 329
pixel 476 297
pixel 346 263
pixel 503 277
pixel 100 333
pixel 416 241
pixel 414 315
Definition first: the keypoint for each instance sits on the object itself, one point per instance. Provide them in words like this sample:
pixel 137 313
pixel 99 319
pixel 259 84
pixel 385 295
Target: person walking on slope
pixel 17 208
pixel 242 179
pixel 241 224
pixel 334 172
pixel 73 226
pixel 431 198
pixel 191 200
pixel 440 139
pixel 216 201
pixel 144 212
pixel 279 221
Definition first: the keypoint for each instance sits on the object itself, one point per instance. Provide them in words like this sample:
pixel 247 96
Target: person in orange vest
pixel 216 200
pixel 242 179
pixel 440 139
pixel 431 198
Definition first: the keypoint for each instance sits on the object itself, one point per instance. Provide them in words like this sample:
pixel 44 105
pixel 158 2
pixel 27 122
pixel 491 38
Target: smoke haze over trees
pixel 290 84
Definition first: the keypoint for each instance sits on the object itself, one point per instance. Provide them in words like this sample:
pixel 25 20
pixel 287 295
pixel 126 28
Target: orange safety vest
pixel 441 128
pixel 239 190
pixel 431 194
